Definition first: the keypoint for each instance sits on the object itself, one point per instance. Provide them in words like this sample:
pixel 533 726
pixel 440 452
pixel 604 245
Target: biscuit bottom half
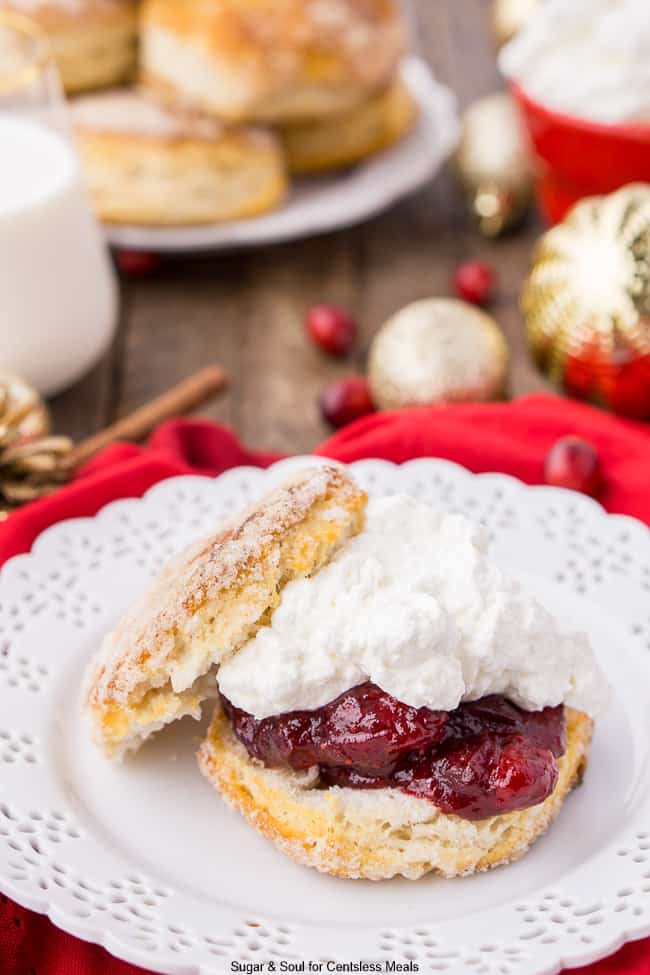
pixel 348 138
pixel 378 834
pixel 181 181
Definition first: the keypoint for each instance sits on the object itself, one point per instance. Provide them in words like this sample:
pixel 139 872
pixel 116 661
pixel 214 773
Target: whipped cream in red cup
pixel 580 73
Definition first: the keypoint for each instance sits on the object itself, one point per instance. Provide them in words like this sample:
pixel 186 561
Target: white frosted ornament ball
pixel 437 350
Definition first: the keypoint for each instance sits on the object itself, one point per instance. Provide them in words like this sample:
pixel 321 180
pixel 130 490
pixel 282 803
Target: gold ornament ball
pixel 32 463
pixel 586 301
pixel 508 18
pixel 22 411
pixel 493 163
pixel 437 350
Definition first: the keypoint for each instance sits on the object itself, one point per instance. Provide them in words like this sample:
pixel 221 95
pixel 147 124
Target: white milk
pixel 58 299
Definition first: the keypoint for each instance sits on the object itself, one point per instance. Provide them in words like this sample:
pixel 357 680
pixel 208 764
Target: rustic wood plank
pixel 510 257
pixel 183 318
pixel 87 406
pixel 474 68
pixel 282 373
pixel 474 73
pixel 458 40
pixel 411 251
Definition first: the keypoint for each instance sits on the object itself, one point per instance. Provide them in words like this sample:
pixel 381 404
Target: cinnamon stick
pixel 187 396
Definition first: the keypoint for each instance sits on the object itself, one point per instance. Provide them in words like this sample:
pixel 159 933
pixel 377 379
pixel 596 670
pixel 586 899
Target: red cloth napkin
pixel 512 438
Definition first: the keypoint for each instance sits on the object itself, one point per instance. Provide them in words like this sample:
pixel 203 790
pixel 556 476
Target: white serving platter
pixel 328 203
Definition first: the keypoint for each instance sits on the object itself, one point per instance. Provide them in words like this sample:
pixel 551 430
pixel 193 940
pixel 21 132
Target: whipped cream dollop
pixel 587 58
pixel 414 604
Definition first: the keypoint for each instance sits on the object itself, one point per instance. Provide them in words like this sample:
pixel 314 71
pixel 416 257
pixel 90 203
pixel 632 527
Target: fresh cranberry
pixel 484 758
pixel 346 400
pixel 574 463
pixel 474 281
pixel 137 264
pixel 332 329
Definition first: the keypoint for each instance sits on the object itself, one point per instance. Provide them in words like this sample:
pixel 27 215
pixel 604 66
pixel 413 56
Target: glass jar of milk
pixel 58 295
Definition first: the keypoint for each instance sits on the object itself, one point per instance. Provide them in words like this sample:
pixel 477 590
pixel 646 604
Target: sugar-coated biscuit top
pixel 131 112
pixel 272 59
pixel 157 664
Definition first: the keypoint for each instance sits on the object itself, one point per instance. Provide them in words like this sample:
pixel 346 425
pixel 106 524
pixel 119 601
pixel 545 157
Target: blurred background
pixel 246 310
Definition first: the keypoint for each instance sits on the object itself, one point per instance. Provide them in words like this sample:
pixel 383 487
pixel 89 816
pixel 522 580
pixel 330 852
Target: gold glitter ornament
pixel 22 411
pixel 30 469
pixel 31 461
pixel 493 164
pixel 586 302
pixel 508 18
pixel 437 350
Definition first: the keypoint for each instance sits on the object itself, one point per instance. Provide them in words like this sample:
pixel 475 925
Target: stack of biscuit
pixel 233 97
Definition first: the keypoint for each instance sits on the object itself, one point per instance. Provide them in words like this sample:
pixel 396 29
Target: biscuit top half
pixel 261 53
pixel 160 661
pixel 134 113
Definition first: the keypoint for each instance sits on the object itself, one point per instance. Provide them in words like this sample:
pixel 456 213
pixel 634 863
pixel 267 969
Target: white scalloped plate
pixel 317 206
pixel 145 859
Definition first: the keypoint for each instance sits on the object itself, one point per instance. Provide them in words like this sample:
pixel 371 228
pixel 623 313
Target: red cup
pixel 578 158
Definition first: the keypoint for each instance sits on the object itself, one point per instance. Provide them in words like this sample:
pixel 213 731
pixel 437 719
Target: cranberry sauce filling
pixel 486 757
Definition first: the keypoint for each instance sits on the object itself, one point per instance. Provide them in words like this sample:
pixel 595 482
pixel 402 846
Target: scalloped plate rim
pixel 92 933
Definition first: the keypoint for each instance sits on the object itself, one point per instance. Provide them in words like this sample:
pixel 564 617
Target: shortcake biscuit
pixel 146 164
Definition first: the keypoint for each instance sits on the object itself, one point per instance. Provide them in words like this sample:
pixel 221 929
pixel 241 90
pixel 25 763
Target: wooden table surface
pixel 246 310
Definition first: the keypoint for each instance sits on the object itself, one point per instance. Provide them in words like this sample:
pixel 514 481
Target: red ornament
pixel 137 264
pixel 586 301
pixel 474 281
pixel 346 400
pixel 575 464
pixel 332 329
pixel 620 379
